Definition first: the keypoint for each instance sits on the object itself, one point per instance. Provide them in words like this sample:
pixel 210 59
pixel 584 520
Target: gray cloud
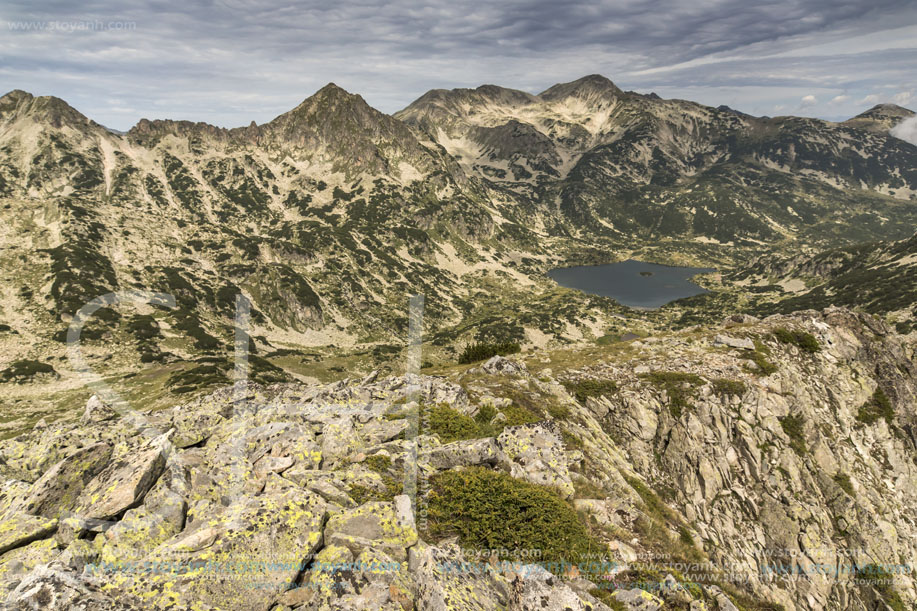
pixel 231 61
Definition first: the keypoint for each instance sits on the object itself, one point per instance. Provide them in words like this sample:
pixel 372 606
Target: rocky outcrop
pixel 294 498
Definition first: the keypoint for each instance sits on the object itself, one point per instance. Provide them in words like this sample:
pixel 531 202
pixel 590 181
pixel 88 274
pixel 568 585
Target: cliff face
pixel 761 463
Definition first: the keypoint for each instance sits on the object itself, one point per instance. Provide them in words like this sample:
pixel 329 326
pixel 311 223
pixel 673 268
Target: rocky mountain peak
pixel 588 87
pixel 880 118
pixel 43 109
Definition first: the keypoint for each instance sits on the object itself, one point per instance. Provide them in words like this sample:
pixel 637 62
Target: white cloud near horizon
pixel 906 130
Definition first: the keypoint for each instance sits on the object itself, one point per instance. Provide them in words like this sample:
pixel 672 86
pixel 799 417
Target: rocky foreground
pixel 764 464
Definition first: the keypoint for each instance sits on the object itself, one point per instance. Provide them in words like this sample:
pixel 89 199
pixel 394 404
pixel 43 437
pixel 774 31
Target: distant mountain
pixel 880 118
pixel 622 164
pixel 330 215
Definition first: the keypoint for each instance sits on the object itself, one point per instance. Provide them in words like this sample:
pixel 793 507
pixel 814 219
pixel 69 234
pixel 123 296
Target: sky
pixel 229 62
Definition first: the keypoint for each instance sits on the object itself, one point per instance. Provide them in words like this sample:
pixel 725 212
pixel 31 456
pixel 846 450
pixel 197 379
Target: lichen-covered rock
pixel 498 365
pixel 16 563
pixel 537 455
pixel 54 589
pixel 636 599
pixel 465 454
pixel 444 580
pixel 741 343
pixel 376 525
pixel 744 468
pixel 18 529
pixel 242 556
pixel 57 491
pixel 97 410
pixel 121 485
pixel 535 589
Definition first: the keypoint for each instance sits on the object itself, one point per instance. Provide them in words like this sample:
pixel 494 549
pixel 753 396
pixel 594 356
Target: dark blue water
pixel 632 283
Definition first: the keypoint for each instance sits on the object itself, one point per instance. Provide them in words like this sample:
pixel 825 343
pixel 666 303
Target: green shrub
pixel 728 388
pixel 843 480
pixel 678 386
pixel 583 389
pixel 451 425
pixel 517 415
pixel 877 407
pixel 793 426
pixel 480 351
pixel 490 510
pixel 24 370
pixel 881 580
pixel 380 463
pixel 801 339
pixel 606 596
pixel 759 358
pixel 558 411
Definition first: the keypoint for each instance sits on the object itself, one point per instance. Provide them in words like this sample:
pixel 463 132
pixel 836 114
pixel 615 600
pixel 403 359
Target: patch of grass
pixel 586 489
pixel 486 413
pixel 380 463
pixel 654 505
pixel 558 411
pixel 606 596
pixel 878 406
pixel 725 387
pixel 491 510
pixel 804 341
pixel 679 387
pixel 759 358
pixel 583 389
pixel 571 441
pixel 480 351
pixel 793 426
pixel 843 480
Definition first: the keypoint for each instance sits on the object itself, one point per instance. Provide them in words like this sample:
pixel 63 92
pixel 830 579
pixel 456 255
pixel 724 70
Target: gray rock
pixel 467 453
pixel 55 589
pixel 734 342
pixel 537 455
pixel 498 365
pixel 97 411
pixel 56 492
pixel 121 485
pixel 638 600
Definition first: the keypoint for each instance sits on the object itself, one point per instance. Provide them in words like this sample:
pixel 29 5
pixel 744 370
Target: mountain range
pixel 329 216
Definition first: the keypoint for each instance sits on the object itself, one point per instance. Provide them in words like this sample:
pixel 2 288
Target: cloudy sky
pixel 229 62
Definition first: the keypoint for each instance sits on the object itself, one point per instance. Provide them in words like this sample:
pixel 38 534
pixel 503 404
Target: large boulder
pixel 54 589
pixel 240 557
pixel 467 453
pixel 18 529
pixel 378 525
pixel 57 491
pixel 537 455
pixel 96 411
pixel 122 484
